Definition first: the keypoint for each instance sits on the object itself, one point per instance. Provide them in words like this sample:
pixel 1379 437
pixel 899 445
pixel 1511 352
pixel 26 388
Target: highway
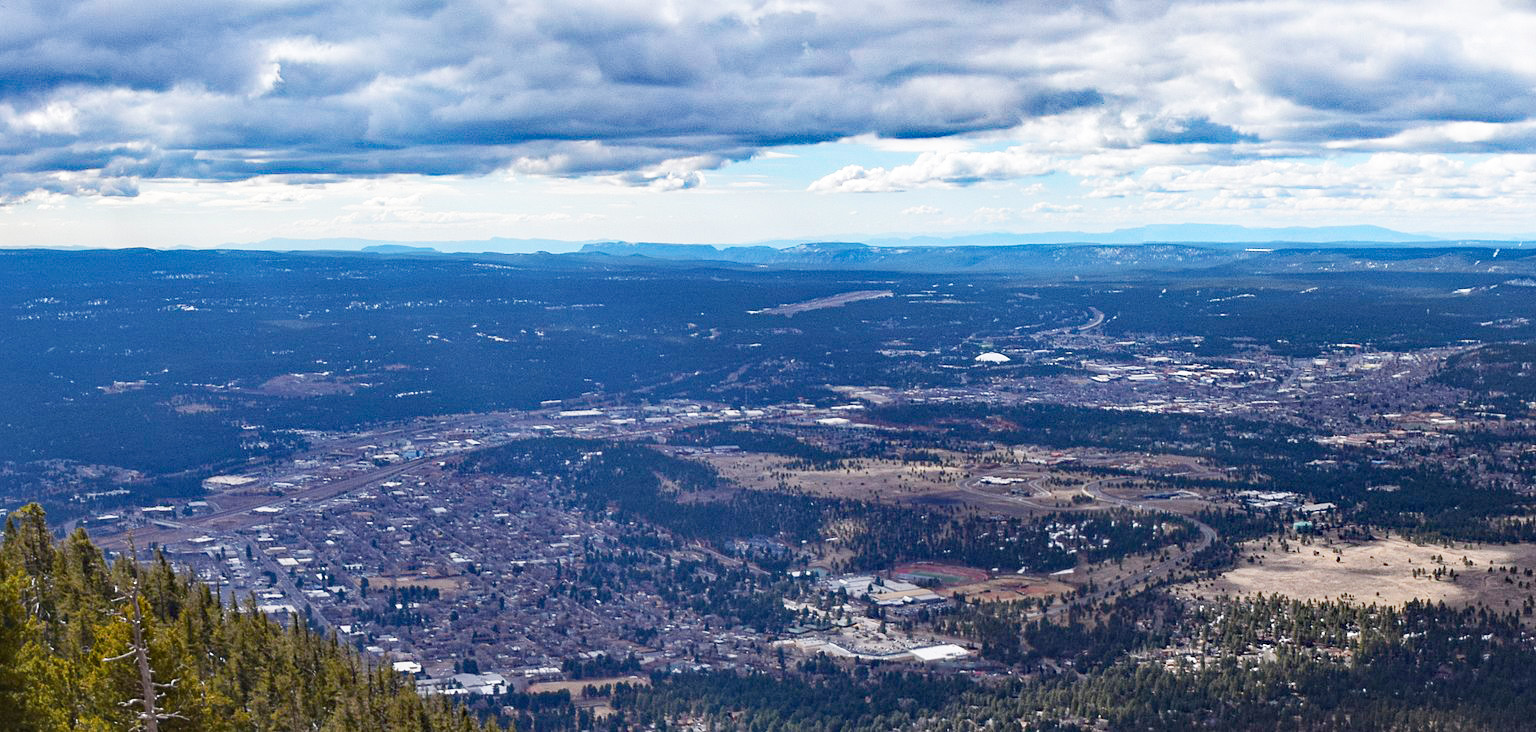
pixel 1095 320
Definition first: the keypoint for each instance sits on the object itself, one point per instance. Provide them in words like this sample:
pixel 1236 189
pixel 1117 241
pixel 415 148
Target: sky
pixel 169 123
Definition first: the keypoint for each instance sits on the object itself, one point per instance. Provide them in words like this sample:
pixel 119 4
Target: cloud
pixel 921 211
pixel 97 95
pixel 1403 182
pixel 1051 208
pixel 993 214
pixel 670 175
pixel 936 170
pixel 225 90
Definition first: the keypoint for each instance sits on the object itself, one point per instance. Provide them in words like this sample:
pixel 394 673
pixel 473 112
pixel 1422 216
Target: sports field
pixel 947 574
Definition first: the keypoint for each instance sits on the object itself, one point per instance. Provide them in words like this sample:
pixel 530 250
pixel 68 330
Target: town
pixel 481 584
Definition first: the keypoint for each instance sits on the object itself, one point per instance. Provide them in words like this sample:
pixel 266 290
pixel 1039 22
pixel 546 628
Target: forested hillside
pixel 1261 664
pixel 81 639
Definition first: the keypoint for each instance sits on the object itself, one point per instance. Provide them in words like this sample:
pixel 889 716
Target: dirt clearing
pixel 832 301
pixel 1387 571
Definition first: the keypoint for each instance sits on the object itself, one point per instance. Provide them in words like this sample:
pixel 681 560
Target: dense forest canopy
pixel 206 361
pixel 82 638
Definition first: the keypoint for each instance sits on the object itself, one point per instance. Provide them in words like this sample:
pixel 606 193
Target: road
pixel 187 528
pixel 284 583
pixel 227 518
pixel 1095 320
pixel 196 525
pixel 1098 320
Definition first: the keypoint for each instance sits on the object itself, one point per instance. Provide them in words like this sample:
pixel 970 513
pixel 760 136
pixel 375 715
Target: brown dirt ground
pixel 889 479
pixel 195 408
pixel 575 687
pixel 832 301
pixel 1379 571
pixel 1007 589
pixel 893 480
pixel 304 385
pixel 599 705
pixel 441 584
pixel 970 575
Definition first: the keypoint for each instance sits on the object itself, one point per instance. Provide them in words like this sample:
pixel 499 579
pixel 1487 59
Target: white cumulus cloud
pixel 936 170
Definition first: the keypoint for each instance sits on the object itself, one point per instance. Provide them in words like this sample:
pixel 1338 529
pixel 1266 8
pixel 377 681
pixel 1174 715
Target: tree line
pixel 92 644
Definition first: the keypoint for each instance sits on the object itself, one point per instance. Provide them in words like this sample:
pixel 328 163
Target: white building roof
pixel 944 652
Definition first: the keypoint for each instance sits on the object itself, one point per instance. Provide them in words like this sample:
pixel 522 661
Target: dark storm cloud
pixel 1420 89
pixel 238 89
pixel 102 90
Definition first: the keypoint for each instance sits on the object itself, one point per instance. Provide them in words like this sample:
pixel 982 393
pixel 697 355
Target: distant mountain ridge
pixel 1159 247
pixel 1075 258
pixel 398 249
pixel 1204 234
pixel 495 244
pixel 1178 234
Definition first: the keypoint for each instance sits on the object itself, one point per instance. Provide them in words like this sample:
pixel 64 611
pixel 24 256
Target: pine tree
pixel 90 647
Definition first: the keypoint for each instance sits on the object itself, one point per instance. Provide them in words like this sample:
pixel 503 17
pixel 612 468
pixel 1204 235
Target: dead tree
pixel 150 714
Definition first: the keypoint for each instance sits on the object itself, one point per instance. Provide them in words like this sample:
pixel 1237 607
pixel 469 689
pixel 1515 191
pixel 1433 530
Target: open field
pixel 305 385
pixel 1380 571
pixel 598 705
pixel 1007 589
pixel 831 301
pixel 446 585
pixel 870 480
pixel 194 408
pixel 575 687
pixel 1035 479
pixel 946 574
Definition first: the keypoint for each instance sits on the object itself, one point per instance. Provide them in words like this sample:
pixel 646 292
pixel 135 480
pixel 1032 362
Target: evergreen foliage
pixel 68 624
pixel 639 482
pixel 1268 663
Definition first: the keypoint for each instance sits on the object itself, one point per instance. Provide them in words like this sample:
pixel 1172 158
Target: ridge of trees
pixel 98 645
pixel 637 481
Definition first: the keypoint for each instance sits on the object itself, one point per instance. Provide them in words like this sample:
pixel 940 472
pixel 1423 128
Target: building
pixel 946 652
pixel 227 482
